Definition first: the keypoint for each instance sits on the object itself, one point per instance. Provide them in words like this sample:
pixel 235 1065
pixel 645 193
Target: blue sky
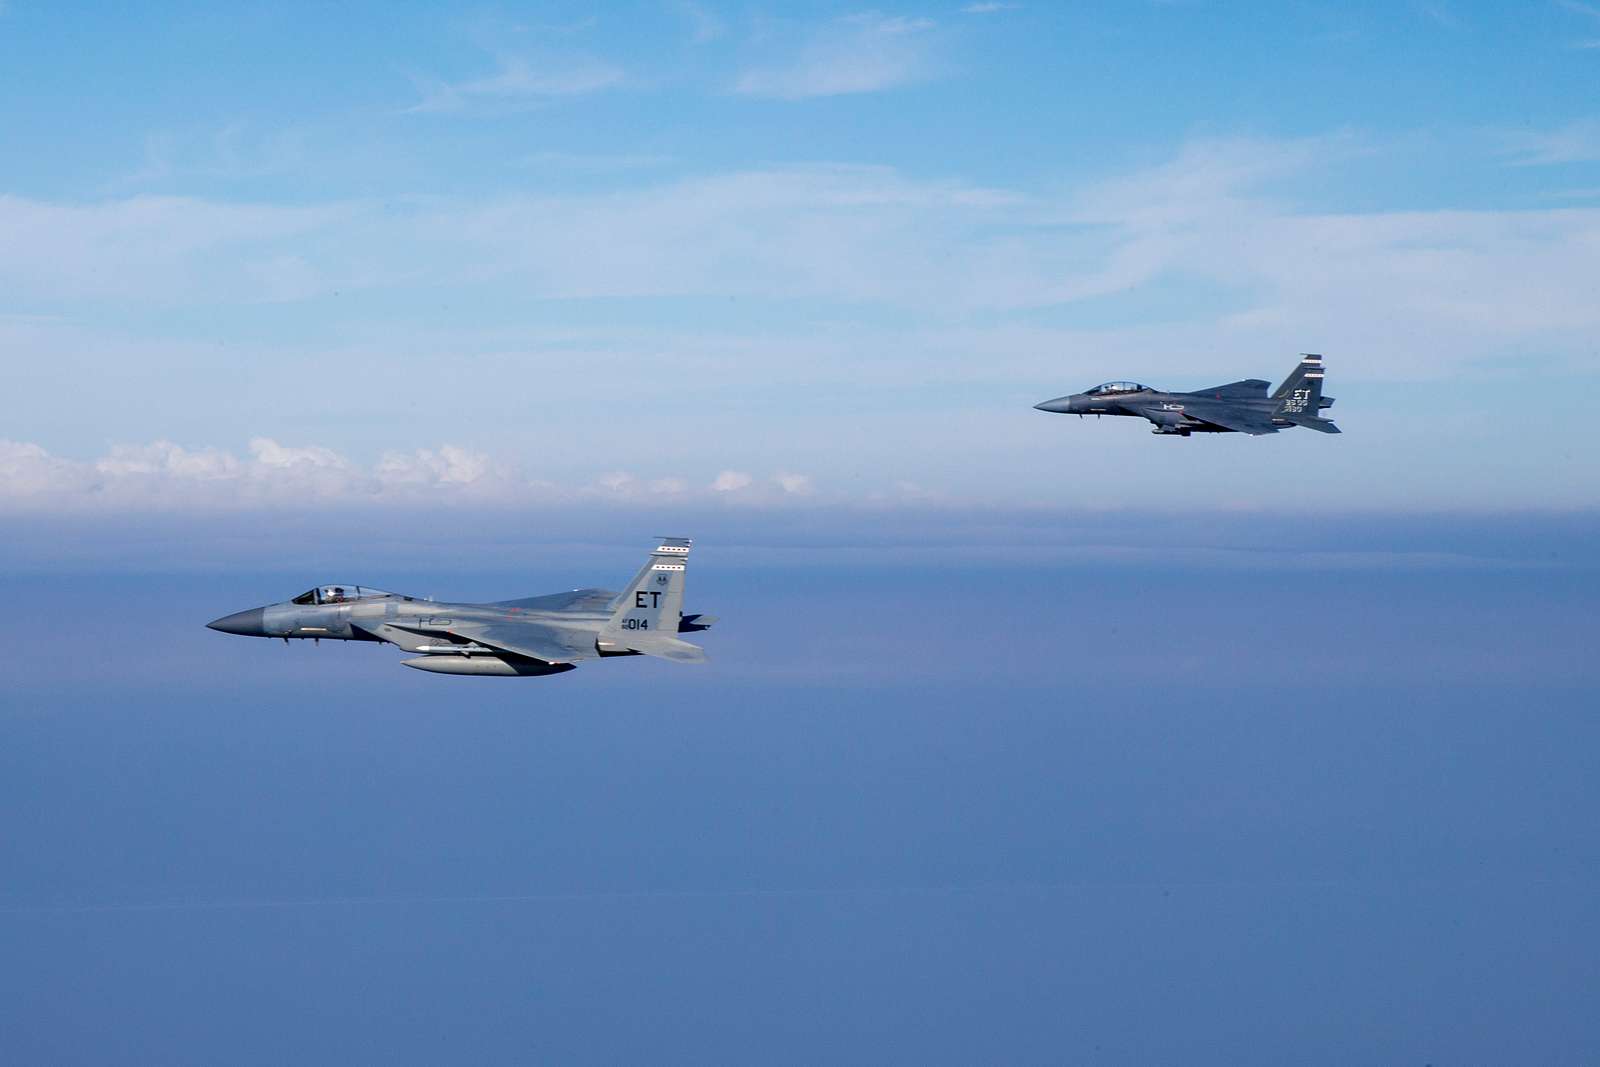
pixel 825 254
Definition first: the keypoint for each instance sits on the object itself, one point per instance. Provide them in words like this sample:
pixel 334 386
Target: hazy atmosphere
pixel 1023 739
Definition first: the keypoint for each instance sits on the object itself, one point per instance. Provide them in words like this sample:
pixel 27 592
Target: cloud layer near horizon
pixel 162 475
pixel 876 331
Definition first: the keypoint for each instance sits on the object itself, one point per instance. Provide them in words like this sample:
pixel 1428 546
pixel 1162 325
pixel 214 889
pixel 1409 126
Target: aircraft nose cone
pixel 249 623
pixel 1061 405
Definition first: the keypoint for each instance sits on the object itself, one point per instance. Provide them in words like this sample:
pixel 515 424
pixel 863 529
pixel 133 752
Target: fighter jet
pixel 1238 407
pixel 509 638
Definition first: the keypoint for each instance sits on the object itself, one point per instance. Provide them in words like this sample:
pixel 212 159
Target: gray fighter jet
pixel 509 638
pixel 1238 407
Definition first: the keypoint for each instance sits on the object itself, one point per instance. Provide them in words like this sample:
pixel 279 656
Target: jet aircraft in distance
pixel 509 638
pixel 1238 407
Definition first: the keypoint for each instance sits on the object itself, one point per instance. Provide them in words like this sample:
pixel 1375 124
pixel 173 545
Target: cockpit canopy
pixel 1116 387
pixel 340 594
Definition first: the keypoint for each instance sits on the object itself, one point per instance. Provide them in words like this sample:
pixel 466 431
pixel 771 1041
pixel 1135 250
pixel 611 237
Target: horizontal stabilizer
pixel 656 644
pixel 1311 422
pixel 694 623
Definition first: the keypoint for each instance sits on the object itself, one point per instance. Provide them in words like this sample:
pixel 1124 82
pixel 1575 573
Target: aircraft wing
pixel 530 640
pixel 1254 388
pixel 1229 416
pixel 407 638
pixel 577 600
pixel 534 640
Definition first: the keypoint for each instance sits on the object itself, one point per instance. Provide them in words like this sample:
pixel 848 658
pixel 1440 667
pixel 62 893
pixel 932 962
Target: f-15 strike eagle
pixel 1238 407
pixel 508 638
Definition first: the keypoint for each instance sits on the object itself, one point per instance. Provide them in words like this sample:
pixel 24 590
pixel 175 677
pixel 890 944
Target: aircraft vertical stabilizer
pixel 1301 391
pixel 1300 396
pixel 648 612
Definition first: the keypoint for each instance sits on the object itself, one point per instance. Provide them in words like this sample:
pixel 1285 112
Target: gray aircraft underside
pixel 1238 407
pixel 509 638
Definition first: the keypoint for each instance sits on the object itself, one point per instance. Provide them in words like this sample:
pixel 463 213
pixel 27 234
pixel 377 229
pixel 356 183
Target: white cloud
pixel 165 474
pixel 863 231
pixel 1589 11
pixel 27 471
pixel 162 458
pixel 618 482
pixel 268 453
pixel 990 7
pixel 1397 294
pixel 1408 293
pixel 1576 142
pixel 795 484
pixel 593 161
pixel 448 466
pixel 860 53
pixel 1442 14
pixel 704 24
pixel 731 482
pixel 520 81
pixel 169 476
pixel 160 247
pixel 941 307
pixel 856 233
pixel 232 151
